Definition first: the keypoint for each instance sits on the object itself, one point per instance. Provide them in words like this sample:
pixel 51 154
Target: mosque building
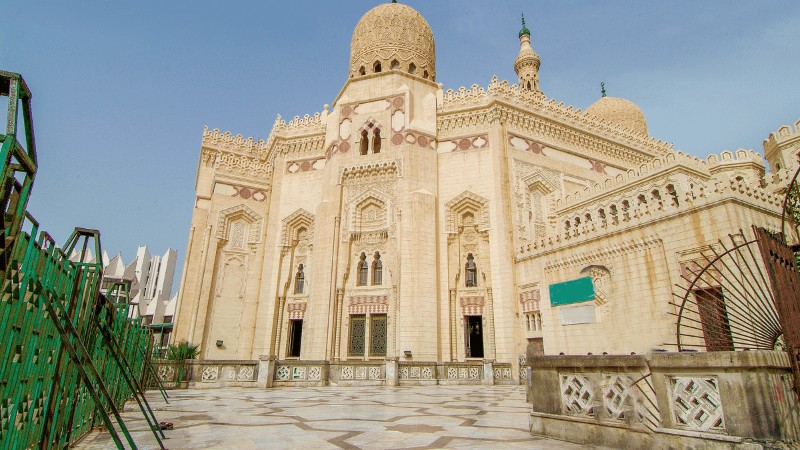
pixel 409 227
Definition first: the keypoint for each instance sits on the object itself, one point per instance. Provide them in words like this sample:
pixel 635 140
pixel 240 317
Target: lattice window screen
pixel 358 328
pixel 377 335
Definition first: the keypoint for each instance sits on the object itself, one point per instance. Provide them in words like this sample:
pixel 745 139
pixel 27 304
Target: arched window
pixel 362 71
pixel 425 74
pixel 299 280
pixel 395 64
pixel 377 67
pixel 376 141
pixel 377 270
pixel 363 270
pixel 364 142
pixel 471 270
pixel 412 68
pixel 529 85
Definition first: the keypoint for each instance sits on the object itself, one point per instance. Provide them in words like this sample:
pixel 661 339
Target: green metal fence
pixel 69 357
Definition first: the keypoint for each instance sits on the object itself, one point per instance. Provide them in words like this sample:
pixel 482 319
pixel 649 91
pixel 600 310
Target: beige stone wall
pixel 494 172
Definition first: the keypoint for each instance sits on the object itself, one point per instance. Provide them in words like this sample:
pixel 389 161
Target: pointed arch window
pixel 376 141
pixel 363 270
pixel 377 270
pixel 377 67
pixel 364 142
pixel 371 138
pixel 471 270
pixel 299 280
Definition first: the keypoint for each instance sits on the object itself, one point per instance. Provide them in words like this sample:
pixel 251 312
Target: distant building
pixel 150 278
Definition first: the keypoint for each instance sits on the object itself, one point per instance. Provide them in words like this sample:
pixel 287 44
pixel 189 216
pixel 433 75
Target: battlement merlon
pixel 782 148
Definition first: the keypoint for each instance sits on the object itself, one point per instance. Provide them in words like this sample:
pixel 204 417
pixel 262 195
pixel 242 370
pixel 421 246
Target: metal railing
pixel 69 358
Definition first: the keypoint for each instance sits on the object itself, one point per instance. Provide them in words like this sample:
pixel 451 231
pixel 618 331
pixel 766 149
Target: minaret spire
pixel 527 63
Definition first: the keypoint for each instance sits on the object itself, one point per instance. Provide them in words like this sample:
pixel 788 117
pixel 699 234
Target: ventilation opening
pixel 362 71
pixel 377 67
pixel 395 64
pixel 412 68
pixel 425 74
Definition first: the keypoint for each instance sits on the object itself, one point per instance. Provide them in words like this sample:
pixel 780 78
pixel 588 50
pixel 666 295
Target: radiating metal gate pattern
pixel 70 358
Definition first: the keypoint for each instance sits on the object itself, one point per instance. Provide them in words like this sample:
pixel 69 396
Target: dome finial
pixel 602 88
pixel 524 31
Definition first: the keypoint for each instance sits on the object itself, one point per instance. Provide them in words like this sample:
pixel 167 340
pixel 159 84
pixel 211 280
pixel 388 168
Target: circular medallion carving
pixel 344 147
pixel 397 139
pixel 244 193
pixel 464 144
pixel 422 141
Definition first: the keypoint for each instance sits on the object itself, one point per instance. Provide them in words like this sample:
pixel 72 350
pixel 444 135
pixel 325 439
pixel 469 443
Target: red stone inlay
pixel 422 141
pixel 346 111
pixel 398 102
pixel 397 139
pixel 464 144
pixel 306 166
pixel 536 148
pixel 344 147
pixel 244 193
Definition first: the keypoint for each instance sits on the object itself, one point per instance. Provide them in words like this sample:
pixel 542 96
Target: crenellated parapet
pixel 782 148
pixel 598 133
pixel 301 126
pixel 646 200
pixel 236 144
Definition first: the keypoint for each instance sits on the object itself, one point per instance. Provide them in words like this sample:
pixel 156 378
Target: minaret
pixel 527 63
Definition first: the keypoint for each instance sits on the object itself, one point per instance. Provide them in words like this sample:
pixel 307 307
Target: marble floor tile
pixel 425 417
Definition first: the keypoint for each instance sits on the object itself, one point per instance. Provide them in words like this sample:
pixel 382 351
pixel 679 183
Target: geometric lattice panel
pixel 696 403
pixel 577 395
pixel 616 395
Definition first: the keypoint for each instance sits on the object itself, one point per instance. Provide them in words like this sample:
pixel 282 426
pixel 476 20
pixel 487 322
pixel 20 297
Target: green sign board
pixel 575 291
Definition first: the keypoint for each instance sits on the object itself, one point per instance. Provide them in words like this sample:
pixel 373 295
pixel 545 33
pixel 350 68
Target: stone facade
pixel 416 224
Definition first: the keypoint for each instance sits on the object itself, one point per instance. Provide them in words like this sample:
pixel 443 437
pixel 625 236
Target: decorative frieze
pixel 296 310
pixel 368 304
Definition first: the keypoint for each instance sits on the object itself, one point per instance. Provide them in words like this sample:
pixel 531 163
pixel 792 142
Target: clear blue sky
pixel 122 90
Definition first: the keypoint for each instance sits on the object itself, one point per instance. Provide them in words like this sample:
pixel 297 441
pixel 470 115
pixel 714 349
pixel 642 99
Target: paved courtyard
pixel 493 417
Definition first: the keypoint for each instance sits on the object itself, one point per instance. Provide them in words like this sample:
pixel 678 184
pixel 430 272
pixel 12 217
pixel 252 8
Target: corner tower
pixel 527 63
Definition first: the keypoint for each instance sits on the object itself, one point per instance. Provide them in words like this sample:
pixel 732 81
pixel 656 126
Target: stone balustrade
pixel 666 400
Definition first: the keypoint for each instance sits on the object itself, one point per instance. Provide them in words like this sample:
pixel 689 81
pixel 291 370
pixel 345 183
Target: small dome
pixel 619 111
pixel 524 31
pixel 393 36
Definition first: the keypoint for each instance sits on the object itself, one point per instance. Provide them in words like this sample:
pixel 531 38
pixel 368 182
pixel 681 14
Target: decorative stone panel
pixel 617 394
pixel 577 395
pixel 210 373
pixel 696 403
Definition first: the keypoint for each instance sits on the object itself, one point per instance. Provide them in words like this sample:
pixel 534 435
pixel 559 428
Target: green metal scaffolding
pixel 71 358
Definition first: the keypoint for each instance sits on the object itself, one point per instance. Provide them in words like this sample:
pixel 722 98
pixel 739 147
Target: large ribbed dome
pixel 619 111
pixel 392 36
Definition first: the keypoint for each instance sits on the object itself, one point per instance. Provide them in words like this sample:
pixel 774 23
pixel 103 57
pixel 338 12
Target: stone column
pixel 266 370
pixel 392 371
pixel 488 372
